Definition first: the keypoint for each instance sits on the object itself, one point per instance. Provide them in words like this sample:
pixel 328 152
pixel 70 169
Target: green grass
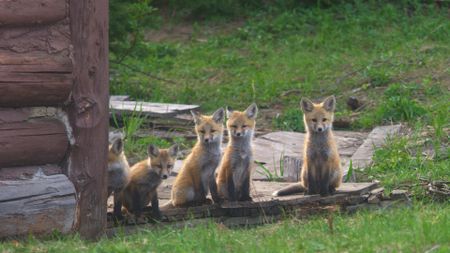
pixel 395 53
pixel 316 51
pixel 415 229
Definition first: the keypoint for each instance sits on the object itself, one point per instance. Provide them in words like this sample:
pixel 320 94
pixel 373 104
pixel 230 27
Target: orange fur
pixel 321 169
pixel 194 180
pixel 234 172
pixel 145 178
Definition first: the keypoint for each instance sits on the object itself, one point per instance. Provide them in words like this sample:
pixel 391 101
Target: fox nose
pixel 238 134
pixel 164 176
pixel 320 129
pixel 206 140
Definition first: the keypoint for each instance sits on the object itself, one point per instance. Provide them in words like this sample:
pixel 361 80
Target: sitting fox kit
pixel 145 178
pixel 321 170
pixel 234 172
pixel 196 177
pixel 118 172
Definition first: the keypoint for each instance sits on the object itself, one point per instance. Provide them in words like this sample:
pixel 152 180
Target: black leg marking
pixel 117 207
pixel 155 207
pixel 245 191
pixel 231 190
pixel 214 194
pixel 137 207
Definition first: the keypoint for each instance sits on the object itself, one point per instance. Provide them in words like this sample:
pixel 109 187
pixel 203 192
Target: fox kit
pixel 145 178
pixel 233 178
pixel 118 171
pixel 321 170
pixel 196 177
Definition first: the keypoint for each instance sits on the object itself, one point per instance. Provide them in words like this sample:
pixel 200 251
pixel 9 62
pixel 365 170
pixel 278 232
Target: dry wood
pixel 34 79
pixel 266 205
pixel 39 205
pixel 25 12
pixel 27 172
pixel 150 109
pixel 292 168
pixel 32 142
pixel 88 113
pixel 50 39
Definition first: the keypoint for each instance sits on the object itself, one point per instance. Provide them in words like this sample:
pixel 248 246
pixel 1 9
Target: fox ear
pixel 219 115
pixel 153 151
pixel 197 117
pixel 251 111
pixel 173 150
pixel 306 105
pixel 229 111
pixel 117 146
pixel 329 103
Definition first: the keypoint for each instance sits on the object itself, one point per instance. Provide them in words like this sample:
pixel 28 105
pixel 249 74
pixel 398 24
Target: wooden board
pixel 34 79
pixel 25 12
pixel 33 142
pixel 88 113
pixel 363 155
pixel 263 201
pixel 39 205
pixel 150 109
pixel 27 172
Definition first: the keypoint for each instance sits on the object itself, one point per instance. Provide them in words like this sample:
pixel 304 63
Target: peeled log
pixel 26 12
pixel 39 205
pixel 34 79
pixel 32 142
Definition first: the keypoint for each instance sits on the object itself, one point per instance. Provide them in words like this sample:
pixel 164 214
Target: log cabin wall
pixel 53 116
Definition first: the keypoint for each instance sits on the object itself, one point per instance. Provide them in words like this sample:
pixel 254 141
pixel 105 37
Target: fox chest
pixel 240 166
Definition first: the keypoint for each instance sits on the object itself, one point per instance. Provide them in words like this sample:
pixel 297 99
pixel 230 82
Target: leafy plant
pixel 290 120
pixel 278 171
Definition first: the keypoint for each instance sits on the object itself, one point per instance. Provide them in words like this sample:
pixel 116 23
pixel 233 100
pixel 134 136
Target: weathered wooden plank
pixel 150 109
pixel 32 142
pixel 363 155
pixel 25 12
pixel 88 114
pixel 51 39
pixel 119 98
pixel 34 79
pixel 27 172
pixel 263 201
pixel 39 205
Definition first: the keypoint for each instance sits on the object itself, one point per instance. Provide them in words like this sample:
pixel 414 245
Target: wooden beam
pixel 150 109
pixel 39 205
pixel 88 113
pixel 25 12
pixel 27 172
pixel 33 142
pixel 34 79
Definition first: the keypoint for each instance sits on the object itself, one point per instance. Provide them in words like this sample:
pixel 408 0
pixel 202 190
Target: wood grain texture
pixel 32 142
pixel 150 109
pixel 34 79
pixel 27 172
pixel 50 39
pixel 39 205
pixel 26 12
pixel 88 113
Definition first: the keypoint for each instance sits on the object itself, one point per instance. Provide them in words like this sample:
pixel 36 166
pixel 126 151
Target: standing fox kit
pixel 196 177
pixel 118 172
pixel 145 177
pixel 233 178
pixel 321 170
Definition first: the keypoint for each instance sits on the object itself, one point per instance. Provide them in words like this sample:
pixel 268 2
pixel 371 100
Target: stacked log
pixel 35 70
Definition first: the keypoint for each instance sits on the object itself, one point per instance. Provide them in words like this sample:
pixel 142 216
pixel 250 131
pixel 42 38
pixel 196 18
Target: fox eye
pixel 213 131
pixel 234 126
pixel 314 120
pixel 202 131
pixel 324 120
pixel 169 166
pixel 244 126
